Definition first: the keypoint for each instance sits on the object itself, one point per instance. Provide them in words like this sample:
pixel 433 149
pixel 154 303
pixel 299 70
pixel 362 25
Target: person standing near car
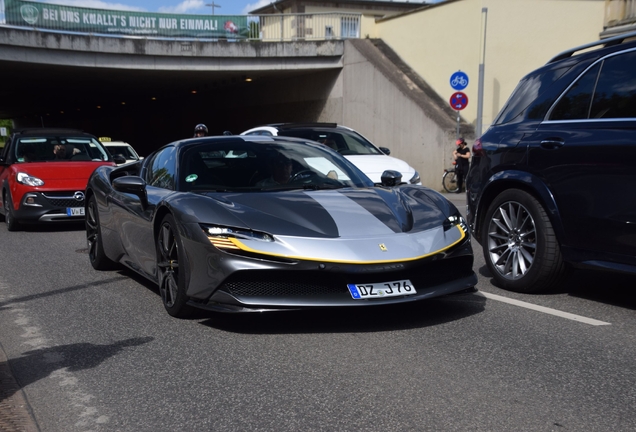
pixel 200 130
pixel 462 156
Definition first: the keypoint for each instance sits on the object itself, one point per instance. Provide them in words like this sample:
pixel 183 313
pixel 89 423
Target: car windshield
pixel 264 166
pixel 59 149
pixel 125 151
pixel 344 142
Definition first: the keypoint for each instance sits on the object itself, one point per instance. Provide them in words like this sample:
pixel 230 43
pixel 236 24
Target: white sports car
pixel 369 159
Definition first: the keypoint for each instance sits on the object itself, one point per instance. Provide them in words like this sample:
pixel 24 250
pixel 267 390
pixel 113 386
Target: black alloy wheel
pixel 9 218
pixel 171 269
pixel 520 247
pixel 96 254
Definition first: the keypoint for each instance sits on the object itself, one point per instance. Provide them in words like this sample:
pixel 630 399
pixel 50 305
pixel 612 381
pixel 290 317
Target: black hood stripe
pixel 350 217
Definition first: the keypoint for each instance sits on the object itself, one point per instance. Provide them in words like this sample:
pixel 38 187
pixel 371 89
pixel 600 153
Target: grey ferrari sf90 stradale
pixel 245 223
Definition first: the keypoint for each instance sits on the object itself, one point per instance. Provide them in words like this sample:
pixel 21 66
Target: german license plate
pixel 75 211
pixel 384 289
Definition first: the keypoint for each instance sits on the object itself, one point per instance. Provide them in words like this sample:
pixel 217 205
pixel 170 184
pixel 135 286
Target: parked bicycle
pixel 449 179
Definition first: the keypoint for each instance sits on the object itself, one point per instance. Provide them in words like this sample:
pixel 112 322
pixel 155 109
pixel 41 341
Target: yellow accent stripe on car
pixel 242 246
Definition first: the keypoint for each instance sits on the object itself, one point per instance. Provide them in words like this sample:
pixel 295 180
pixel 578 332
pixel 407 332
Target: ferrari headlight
pixel 456 220
pixel 221 237
pixel 415 179
pixel 28 180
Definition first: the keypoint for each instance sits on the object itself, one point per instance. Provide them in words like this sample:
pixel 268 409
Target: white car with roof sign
pixel 369 158
pixel 121 148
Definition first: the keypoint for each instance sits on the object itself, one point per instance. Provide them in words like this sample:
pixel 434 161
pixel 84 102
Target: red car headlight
pixel 28 180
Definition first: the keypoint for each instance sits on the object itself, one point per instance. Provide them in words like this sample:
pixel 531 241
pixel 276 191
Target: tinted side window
pixel 163 169
pixel 575 104
pixel 615 95
pixel 528 90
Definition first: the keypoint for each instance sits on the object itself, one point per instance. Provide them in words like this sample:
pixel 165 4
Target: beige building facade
pixel 510 38
pixel 399 97
pixel 520 36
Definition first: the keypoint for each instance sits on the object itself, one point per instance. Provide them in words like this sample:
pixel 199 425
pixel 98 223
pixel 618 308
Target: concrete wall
pixel 438 40
pixel 373 97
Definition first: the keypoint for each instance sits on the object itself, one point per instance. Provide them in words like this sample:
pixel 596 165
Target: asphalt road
pixel 95 351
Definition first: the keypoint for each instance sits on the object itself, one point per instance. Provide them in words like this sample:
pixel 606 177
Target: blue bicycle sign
pixel 459 80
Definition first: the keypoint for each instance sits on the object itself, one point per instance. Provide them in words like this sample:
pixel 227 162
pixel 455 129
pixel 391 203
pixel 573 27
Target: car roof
pixel 50 131
pixel 604 46
pixel 284 126
pixel 310 125
pixel 190 142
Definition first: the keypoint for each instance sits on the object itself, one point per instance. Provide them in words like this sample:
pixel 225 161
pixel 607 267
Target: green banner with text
pixel 67 18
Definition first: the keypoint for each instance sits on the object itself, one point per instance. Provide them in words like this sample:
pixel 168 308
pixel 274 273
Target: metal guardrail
pixel 619 12
pixel 318 26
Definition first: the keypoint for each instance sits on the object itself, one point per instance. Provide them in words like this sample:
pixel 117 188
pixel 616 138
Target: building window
pixel 349 27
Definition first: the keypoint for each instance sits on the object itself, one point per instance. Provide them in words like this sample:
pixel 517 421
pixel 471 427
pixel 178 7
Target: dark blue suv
pixel 552 183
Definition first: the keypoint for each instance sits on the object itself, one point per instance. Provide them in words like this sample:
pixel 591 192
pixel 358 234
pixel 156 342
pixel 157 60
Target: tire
pixel 519 244
pixel 449 181
pixel 9 218
pixel 172 269
pixel 96 254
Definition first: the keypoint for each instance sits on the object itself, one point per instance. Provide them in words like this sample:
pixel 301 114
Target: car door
pixel 586 153
pixel 136 218
pixel 4 171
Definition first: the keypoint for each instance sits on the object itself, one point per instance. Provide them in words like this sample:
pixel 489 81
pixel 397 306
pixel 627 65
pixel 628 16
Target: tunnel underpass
pixel 151 92
pixel 152 108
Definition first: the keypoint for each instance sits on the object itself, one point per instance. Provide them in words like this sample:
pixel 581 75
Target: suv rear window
pixel 607 90
pixel 528 90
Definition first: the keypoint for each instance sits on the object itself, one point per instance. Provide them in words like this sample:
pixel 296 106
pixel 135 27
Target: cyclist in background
pixel 462 156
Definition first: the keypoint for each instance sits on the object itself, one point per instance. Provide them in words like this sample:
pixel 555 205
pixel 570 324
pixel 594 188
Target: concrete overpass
pixel 152 91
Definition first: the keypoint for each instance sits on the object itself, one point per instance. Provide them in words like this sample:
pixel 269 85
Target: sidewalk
pixel 458 199
pixel 15 414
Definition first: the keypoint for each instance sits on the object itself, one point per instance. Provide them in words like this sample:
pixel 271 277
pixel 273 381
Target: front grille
pixel 282 286
pixel 317 283
pixel 63 199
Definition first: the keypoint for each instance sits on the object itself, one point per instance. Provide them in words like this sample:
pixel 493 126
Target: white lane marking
pixel 543 309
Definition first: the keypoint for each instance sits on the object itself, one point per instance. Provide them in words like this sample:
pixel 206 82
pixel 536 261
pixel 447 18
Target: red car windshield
pixel 59 149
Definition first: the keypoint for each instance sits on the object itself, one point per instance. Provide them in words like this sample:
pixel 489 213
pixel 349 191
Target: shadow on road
pixel 604 287
pixel 40 363
pixel 352 319
pixel 51 226
pixel 609 288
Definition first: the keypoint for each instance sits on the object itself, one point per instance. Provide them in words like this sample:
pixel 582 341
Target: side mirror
pixel 119 159
pixel 385 150
pixel 227 133
pixel 391 178
pixel 132 185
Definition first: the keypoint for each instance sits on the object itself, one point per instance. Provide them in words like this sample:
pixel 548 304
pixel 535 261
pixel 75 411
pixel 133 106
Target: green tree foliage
pixel 8 124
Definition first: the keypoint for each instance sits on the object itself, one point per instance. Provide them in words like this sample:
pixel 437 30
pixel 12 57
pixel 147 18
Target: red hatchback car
pixel 43 173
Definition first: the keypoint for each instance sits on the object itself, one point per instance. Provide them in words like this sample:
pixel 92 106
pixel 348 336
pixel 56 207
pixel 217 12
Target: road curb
pixel 15 412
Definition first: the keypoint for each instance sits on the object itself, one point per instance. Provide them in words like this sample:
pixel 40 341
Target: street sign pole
pixel 482 67
pixel 457 130
pixel 458 100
